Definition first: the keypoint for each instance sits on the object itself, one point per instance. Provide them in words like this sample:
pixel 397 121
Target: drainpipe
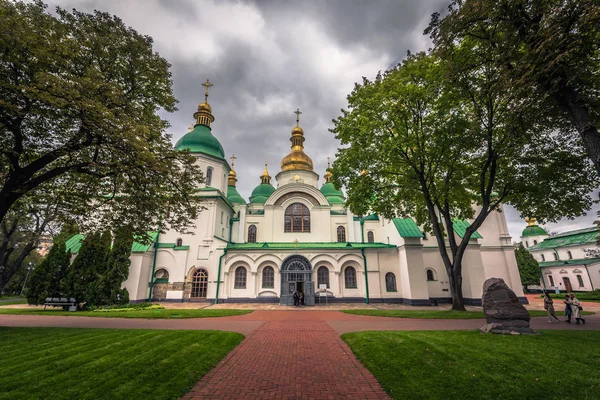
pixel 219 275
pixel 230 227
pixel 362 250
pixel 154 261
pixel 589 277
pixel 362 230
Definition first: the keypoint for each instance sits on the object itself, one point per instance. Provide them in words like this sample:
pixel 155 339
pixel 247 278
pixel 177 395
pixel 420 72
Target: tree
pixel 529 268
pixel 101 267
pixel 550 56
pixel 46 279
pixel 442 147
pixel 118 267
pixel 79 96
pixel 82 275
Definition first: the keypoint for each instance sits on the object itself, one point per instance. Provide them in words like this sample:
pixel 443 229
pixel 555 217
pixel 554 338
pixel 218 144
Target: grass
pixel 440 314
pixel 471 365
pixel 68 363
pixel 8 301
pixel 156 314
pixel 582 296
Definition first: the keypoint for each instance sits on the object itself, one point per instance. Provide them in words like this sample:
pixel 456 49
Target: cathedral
pixel 295 234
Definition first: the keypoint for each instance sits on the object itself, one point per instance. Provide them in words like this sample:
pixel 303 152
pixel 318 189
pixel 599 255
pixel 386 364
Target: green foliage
pixel 529 268
pixel 166 313
pixel 79 101
pixel 549 57
pixel 45 280
pixel 470 365
pixel 129 307
pixel 81 279
pixel 118 268
pixel 107 363
pixel 584 296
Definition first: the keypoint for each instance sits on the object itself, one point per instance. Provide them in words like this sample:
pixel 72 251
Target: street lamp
pixel 29 269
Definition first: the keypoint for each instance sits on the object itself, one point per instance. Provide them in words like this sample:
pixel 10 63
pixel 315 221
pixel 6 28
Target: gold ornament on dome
pixel 297 160
pixel 328 174
pixel 265 177
pixel 531 221
pixel 204 115
pixel 232 177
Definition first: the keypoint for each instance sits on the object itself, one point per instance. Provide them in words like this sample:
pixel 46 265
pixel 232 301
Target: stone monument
pixel 503 311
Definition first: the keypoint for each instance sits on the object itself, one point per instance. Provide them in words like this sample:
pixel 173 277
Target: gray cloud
pixel 266 58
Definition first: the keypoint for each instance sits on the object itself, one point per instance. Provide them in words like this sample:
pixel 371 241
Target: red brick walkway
pixel 290 360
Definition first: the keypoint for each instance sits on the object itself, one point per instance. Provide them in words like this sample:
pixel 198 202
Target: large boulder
pixel 503 310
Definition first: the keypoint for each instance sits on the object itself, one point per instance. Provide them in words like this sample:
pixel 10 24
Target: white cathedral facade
pixel 297 235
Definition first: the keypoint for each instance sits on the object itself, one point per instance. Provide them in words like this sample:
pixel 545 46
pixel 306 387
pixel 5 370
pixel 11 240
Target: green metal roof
pixel 333 195
pixel 201 140
pixel 581 261
pixel 534 230
pixel 570 238
pixel 307 245
pixel 234 196
pixel 460 228
pixel 407 228
pixel 74 244
pixel 261 193
pixel 337 212
pixel 372 217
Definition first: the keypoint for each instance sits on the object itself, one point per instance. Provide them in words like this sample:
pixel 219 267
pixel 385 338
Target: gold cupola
pixel 232 177
pixel 328 174
pixel 297 159
pixel 265 177
pixel 204 115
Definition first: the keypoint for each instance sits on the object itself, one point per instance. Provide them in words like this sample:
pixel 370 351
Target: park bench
pixel 66 304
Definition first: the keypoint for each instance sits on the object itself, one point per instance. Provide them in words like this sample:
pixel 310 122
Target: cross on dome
pixel 233 158
pixel 297 112
pixel 207 85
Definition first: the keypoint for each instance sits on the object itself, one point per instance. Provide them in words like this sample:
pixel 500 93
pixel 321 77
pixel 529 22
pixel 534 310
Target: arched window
pixel 240 278
pixel 350 278
pixel 323 276
pixel 555 256
pixel 580 281
pixel 268 277
pixel 551 280
pixel 430 275
pixel 341 234
pixel 569 255
pixel 543 258
pixel 209 172
pixel 370 237
pixel 534 242
pixel 199 284
pixel 161 276
pixel 297 218
pixel 390 282
pixel 222 216
pixel 252 234
pixel 179 242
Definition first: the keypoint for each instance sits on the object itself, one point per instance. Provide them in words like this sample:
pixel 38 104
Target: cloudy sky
pixel 267 58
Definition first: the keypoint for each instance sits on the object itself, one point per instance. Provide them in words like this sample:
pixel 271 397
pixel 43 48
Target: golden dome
pixel 204 114
pixel 204 106
pixel 265 177
pixel 297 159
pixel 232 177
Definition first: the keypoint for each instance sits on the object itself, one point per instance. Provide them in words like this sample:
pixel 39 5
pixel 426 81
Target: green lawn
pixel 159 314
pixel 7 301
pixel 471 365
pixel 440 314
pixel 69 363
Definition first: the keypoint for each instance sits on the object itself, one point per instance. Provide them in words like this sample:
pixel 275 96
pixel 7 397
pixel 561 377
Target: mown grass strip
pixel 440 314
pixel 152 314
pixel 69 363
pixel 471 365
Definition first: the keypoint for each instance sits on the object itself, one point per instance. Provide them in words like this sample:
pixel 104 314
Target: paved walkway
pixel 295 354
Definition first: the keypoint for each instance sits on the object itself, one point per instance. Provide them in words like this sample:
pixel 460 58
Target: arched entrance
pixel 296 274
pixel 199 284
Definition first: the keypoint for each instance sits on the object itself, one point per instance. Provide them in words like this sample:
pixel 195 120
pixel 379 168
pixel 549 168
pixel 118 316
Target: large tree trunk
pixel 568 99
pixel 458 301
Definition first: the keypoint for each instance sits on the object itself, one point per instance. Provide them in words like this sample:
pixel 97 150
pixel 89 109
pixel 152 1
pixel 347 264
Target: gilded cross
pixel 266 160
pixel 207 84
pixel 233 158
pixel 297 112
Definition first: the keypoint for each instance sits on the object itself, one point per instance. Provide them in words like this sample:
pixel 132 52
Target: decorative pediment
pixel 577 271
pixel 564 271
pixel 548 272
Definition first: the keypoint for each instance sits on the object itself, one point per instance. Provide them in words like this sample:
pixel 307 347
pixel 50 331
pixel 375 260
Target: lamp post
pixel 29 269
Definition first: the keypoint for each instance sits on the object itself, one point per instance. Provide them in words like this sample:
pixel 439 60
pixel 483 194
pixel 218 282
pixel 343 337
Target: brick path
pixel 293 359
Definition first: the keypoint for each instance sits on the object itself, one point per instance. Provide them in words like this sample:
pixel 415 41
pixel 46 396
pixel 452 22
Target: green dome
pixel 261 193
pixel 200 140
pixel 534 230
pixel 333 195
pixel 233 195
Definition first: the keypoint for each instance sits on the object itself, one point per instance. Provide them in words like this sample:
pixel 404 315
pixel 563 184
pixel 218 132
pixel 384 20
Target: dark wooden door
pixel 567 282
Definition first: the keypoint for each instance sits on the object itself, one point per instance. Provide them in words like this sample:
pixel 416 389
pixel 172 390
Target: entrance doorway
pixel 296 274
pixel 567 283
pixel 199 284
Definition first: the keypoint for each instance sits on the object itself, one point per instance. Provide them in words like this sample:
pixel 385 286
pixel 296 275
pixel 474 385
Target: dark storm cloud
pixel 266 58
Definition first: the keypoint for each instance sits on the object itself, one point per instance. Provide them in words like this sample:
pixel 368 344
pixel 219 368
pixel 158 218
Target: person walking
pixel 568 310
pixel 301 299
pixel 576 306
pixel 549 307
pixel 296 297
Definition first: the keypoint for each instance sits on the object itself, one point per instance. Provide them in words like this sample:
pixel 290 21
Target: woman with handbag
pixel 576 309
pixel 549 306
